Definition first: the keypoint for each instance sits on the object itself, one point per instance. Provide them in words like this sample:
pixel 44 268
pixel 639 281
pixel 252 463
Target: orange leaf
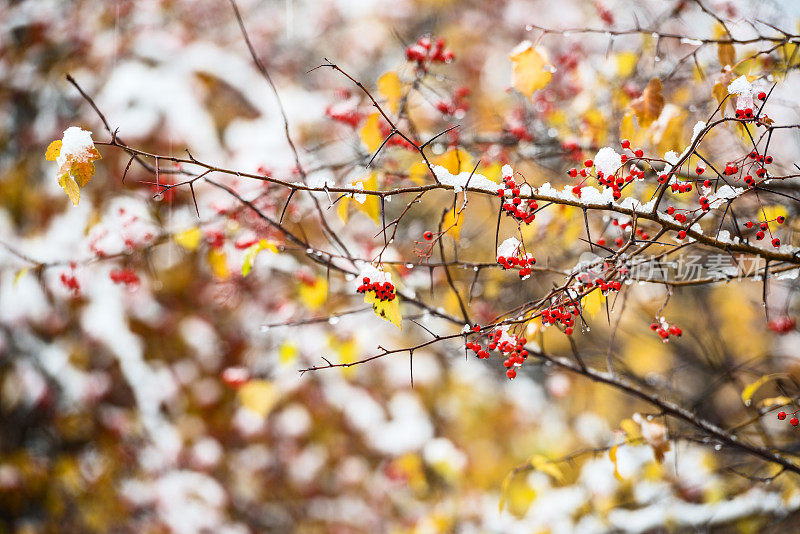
pixel 648 106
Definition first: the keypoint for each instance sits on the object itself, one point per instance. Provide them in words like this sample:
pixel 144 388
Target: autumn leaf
pixel 313 294
pixel 70 187
pixel 612 455
pixel 750 389
pixel 370 133
pixel 388 310
pixel 371 205
pixel 189 238
pixel 258 396
pixel 531 70
pixel 726 54
pixel 648 106
pixel 251 253
pixel 75 154
pixel 592 303
pixel 390 87
pixel 287 353
pixel 452 223
pixel 455 160
pixel 218 263
pixel 53 150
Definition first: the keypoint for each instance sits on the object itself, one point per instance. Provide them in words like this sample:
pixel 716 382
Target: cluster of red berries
pixel 513 207
pixel 70 282
pixel 625 143
pixel 764 227
pixel 510 346
pixel 782 325
pixel 524 263
pixel 395 140
pixel 424 52
pixel 124 276
pixel 345 111
pixel 665 330
pixel 383 291
pixel 793 421
pixel 747 113
pixel 677 214
pixel 561 315
pixel 458 102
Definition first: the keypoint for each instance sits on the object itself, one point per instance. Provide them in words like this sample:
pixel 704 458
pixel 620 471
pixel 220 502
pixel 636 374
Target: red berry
pixel 682 234
pixel 776 242
pixel 639 153
pixel 794 421
pixel 781 415
pixel 511 373
pixel 762 95
pixel 476 328
pixel 428 235
pixel 588 163
pixel 625 143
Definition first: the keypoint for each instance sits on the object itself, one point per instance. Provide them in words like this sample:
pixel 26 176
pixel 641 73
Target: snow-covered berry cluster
pixel 510 256
pixel 426 51
pixel 383 290
pixel 523 210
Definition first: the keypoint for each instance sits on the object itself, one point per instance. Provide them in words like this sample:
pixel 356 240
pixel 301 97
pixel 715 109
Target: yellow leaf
pixel 531 70
pixel 347 351
pixel 418 173
pixel 612 454
pixel 370 133
pixel 371 206
pixel 592 303
pixel 251 253
pixel 53 150
pixel 189 239
pixel 455 160
pixel 287 353
pixel 648 106
pixel 343 205
pixel 750 389
pixel 452 223
pixel 774 401
pixel 773 212
pixel 390 87
pixel 504 490
pixel 388 310
pixel 82 172
pixel 70 187
pixel 626 62
pixel 258 396
pixel 314 294
pixel 218 263
pixel 719 92
pixel 540 463
pixel 17 277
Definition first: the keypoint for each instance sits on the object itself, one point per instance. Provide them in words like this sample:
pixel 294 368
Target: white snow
pixel 607 160
pixel 465 179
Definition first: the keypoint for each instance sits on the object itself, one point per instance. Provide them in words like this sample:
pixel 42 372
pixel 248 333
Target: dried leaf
pixel 648 106
pixel 726 54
